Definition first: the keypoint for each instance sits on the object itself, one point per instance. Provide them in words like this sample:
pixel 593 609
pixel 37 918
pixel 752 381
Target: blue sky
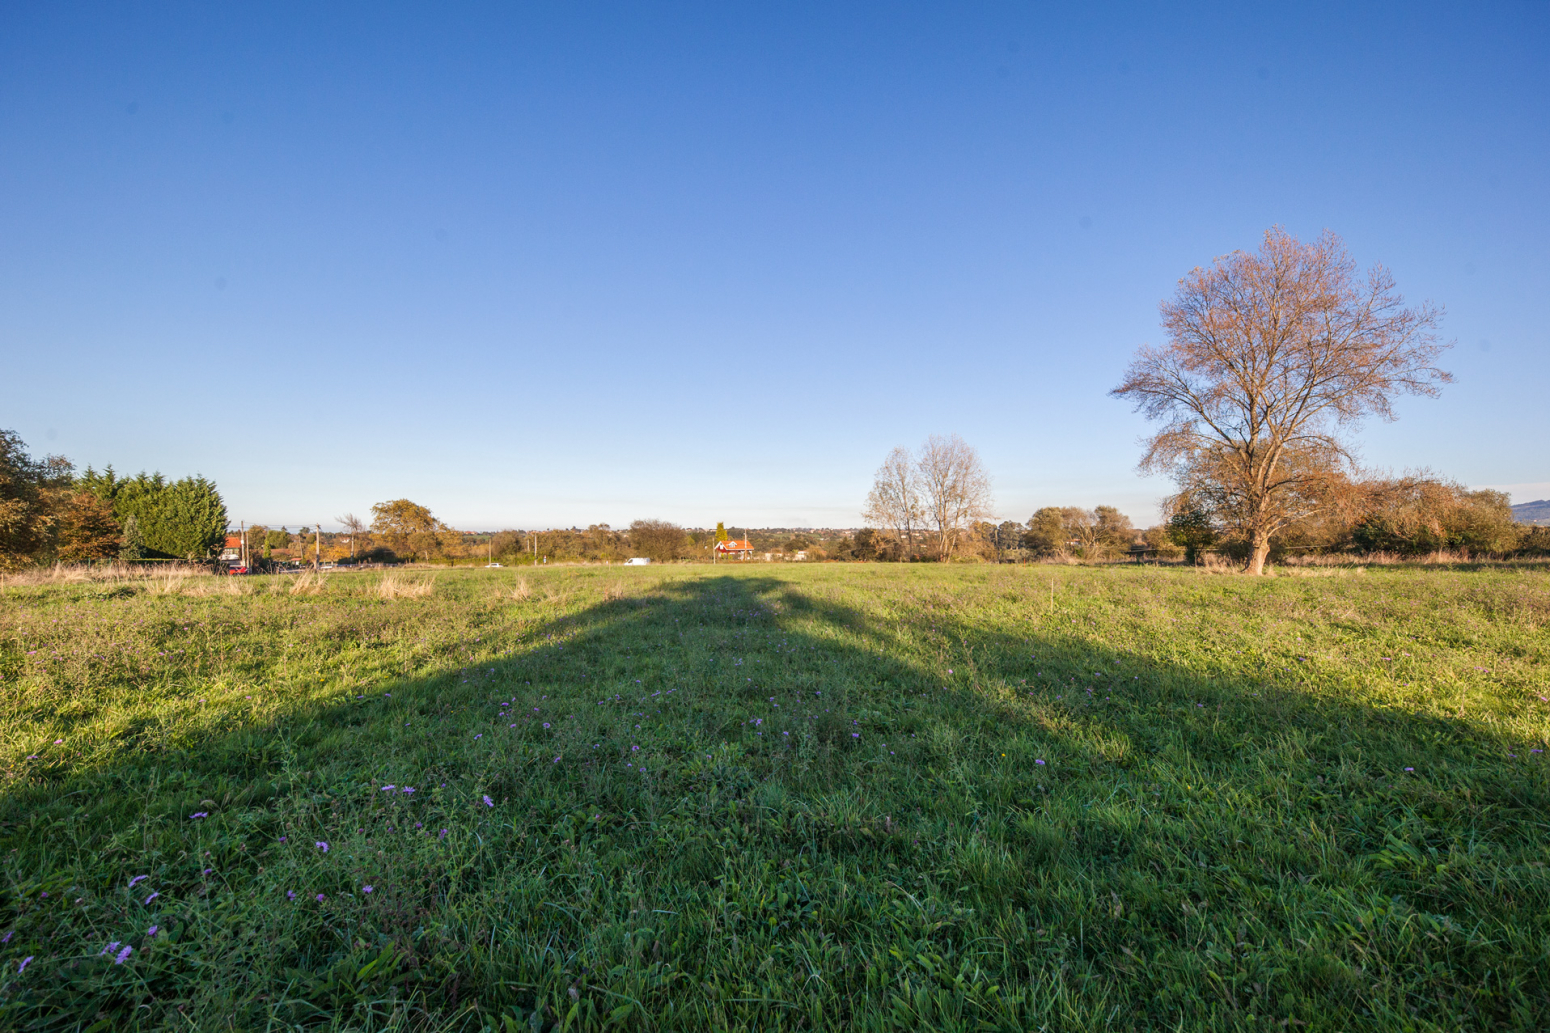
pixel 536 265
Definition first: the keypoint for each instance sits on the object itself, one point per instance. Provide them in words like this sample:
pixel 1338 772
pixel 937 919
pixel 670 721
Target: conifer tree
pixel 721 531
pixel 134 542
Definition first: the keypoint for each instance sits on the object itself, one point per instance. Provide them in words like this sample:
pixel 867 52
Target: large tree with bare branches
pixel 954 487
pixel 894 502
pixel 1272 358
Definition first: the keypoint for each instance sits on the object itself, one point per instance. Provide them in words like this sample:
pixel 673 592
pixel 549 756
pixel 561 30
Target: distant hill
pixel 1532 512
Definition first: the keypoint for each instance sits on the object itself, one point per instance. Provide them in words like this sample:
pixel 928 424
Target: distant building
pixel 736 548
pixel 232 553
pixel 638 561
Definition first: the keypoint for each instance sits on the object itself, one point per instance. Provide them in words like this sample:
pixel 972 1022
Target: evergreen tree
pixel 721 531
pixel 134 542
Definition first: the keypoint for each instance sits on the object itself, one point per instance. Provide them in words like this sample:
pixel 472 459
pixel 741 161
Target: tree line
pixel 50 513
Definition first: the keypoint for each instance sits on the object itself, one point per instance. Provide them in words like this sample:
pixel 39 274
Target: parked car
pixel 487 565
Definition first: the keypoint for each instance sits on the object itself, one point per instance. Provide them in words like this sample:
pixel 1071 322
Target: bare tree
pixel 894 502
pixel 1270 357
pixel 353 525
pixel 954 487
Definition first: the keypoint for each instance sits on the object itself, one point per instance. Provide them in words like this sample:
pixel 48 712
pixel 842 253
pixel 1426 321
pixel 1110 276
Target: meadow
pixel 857 797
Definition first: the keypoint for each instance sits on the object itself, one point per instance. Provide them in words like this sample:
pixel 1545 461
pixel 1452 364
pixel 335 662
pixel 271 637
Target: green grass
pixel 840 797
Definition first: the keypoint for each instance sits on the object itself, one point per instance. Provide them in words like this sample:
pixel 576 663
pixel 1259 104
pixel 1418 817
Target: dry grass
pixel 82 573
pixel 394 587
pixel 521 592
pixel 307 583
pixel 615 590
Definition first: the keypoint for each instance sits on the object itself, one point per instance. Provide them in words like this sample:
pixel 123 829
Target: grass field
pixel 839 797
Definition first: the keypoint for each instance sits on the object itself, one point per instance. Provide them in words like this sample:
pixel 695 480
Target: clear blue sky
pixel 536 265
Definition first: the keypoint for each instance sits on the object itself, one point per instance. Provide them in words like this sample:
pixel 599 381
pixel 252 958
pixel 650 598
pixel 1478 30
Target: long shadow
pixel 731 801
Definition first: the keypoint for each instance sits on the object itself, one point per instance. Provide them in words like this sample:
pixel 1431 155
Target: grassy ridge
pixel 836 797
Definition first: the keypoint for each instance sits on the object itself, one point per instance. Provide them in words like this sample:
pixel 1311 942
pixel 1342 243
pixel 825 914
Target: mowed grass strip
pixel 858 797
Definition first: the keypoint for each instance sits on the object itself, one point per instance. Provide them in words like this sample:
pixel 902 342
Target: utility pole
pixel 317 549
pixel 243 555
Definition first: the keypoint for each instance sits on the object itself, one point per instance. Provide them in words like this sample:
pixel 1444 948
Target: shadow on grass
pixel 732 802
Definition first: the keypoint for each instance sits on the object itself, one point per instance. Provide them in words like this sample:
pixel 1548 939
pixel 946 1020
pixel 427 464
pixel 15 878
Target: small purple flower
pixel 1410 769
pixel 408 789
pixel 123 955
pixel 479 736
pixel 59 742
pixel 1039 761
pixel 855 735
pixel 207 871
pixel 152 931
pixel 489 802
pixel 320 898
pixel 7 937
pixel 634 749
pixel 442 834
pixel 282 839
pixel 153 896
pixel 365 889
pixel 290 894
pixel 109 949
pixel 137 879
pixel 23 966
pixel 389 788
pixel 557 760
pixel 321 846
pixel 546 724
pixel 200 814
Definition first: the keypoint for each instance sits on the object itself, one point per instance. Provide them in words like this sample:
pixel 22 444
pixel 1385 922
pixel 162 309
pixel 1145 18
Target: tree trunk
pixel 1260 548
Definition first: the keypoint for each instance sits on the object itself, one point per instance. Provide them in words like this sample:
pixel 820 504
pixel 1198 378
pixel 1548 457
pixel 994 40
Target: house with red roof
pixel 741 549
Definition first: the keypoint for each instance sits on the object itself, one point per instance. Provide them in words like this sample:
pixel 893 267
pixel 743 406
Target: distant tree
pixel 134 542
pixel 657 539
pixel 183 519
pixel 87 529
pixel 954 487
pixel 1046 532
pixel 865 544
pixel 1192 530
pixel 1009 536
pixel 407 528
pixel 721 532
pixel 894 502
pixel 28 489
pixel 1421 513
pixel 354 527
pixel 1270 358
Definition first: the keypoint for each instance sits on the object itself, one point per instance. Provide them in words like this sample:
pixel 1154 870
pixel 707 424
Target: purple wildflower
pixel 290 894
pixel 489 802
pixel 365 889
pixel 23 966
pixel 442 834
pixel 137 879
pixel 123 955
pixel 200 814
pixel 408 789
pixel 109 949
pixel 1039 761
pixel 320 898
pixel 322 846
pixel 153 896
pixel 152 931
pixel 389 788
